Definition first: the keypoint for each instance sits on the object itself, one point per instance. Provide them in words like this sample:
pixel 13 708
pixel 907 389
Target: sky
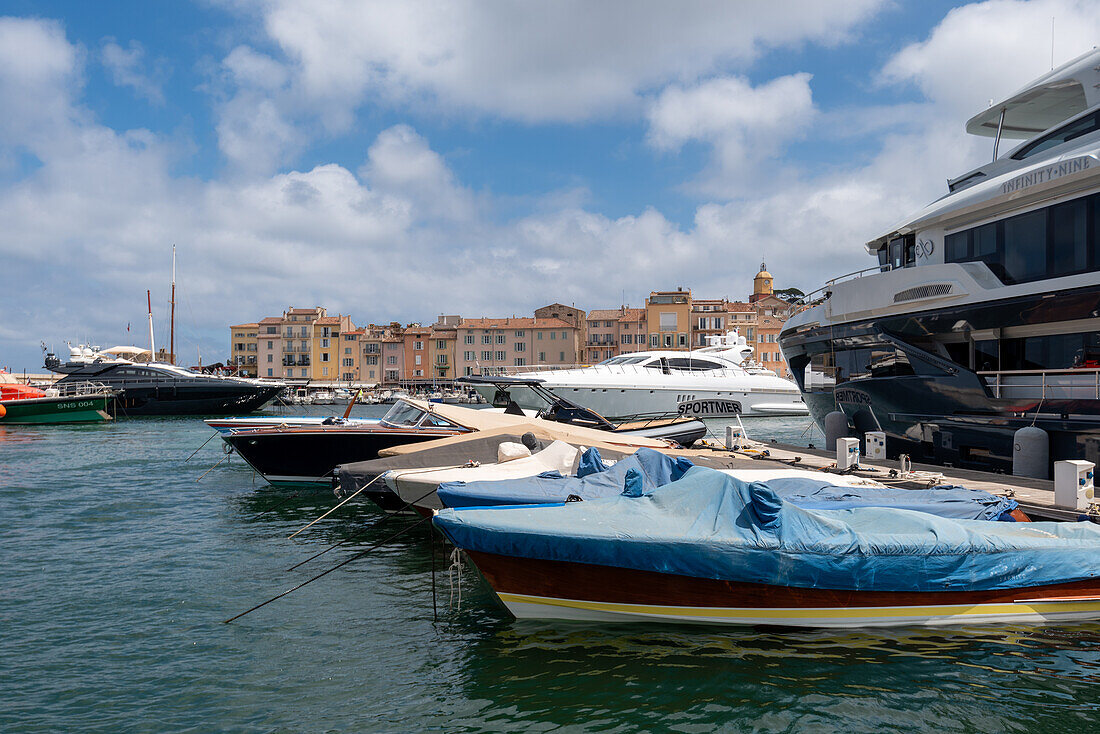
pixel 395 161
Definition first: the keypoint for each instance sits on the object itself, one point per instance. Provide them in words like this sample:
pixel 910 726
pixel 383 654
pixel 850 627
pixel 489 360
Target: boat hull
pixel 79 409
pixel 615 402
pixel 308 456
pixel 563 590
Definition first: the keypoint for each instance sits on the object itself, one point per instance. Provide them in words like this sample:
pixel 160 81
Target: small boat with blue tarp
pixel 710 548
pixel 808 489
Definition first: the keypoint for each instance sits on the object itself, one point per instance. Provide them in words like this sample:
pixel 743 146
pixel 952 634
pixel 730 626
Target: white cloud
pixel 746 125
pixel 561 61
pixel 989 50
pixel 127 69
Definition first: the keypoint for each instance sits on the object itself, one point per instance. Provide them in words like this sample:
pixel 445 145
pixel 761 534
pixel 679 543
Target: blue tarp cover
pixel 656 470
pixel 710 525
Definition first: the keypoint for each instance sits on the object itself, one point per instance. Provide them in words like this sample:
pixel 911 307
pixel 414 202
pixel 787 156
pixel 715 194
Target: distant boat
pixel 713 381
pixel 158 388
pixel 86 403
pixel 324 397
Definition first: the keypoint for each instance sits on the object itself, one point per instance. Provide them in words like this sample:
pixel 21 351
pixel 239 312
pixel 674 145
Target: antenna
pixel 172 317
pixel 152 346
pixel 1052 42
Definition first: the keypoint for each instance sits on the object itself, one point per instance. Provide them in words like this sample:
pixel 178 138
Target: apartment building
pixel 668 319
pixel 571 315
pixel 514 342
pixel 710 317
pixel 611 332
pixel 244 348
pixel 393 356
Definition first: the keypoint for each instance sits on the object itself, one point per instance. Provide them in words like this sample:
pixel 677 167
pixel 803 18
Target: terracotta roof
pixel 633 314
pixel 243 326
pixel 329 320
pixel 517 323
pixel 272 320
pixel 303 310
pixel 604 314
pixel 739 306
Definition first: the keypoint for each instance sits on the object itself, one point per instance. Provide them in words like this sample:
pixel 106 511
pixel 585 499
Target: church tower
pixel 761 284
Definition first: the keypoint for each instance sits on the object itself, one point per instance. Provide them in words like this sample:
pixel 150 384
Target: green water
pixel 118 568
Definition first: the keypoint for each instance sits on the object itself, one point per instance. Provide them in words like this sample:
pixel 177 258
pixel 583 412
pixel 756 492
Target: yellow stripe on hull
pixel 537 607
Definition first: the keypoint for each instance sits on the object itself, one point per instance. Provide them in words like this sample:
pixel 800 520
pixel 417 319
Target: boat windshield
pixel 403 414
pixel 624 360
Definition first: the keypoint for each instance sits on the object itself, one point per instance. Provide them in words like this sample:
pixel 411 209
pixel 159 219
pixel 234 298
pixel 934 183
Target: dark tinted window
pixel 1084 126
pixel 1025 247
pixel 957 247
pixel 1069 238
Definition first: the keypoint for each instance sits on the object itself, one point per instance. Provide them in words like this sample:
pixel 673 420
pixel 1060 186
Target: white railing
pixel 1078 384
pixel 76 389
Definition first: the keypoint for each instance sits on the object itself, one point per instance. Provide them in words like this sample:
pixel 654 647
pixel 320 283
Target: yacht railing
pixel 78 389
pixel 1072 384
pixel 809 298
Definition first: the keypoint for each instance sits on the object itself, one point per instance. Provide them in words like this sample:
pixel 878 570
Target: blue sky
pixel 396 161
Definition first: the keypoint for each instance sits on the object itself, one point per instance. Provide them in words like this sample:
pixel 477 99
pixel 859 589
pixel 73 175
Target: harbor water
pixel 120 561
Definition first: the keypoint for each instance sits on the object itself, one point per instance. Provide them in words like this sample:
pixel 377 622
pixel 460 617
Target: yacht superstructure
pixel 983 314
pixel 713 381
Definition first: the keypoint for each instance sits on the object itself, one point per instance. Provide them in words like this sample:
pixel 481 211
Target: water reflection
pixel 974 679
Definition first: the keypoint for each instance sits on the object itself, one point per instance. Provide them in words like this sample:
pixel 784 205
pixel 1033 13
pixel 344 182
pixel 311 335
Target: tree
pixel 790 295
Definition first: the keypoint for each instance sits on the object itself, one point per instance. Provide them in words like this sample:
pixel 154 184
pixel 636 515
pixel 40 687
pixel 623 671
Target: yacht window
pixel 883 258
pixel 403 414
pixel 1075 129
pixel 986 356
pixel 1025 247
pixel 1053 352
pixel 692 364
pixel 957 247
pixel 1069 238
pixel 897 254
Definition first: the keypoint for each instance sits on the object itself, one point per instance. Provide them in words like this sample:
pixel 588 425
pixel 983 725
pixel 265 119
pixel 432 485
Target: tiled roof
pixel 244 326
pixel 633 314
pixel 604 314
pixel 515 323
pixel 328 320
pixel 272 320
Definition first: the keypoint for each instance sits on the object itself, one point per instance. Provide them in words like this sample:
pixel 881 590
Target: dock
pixel 1035 496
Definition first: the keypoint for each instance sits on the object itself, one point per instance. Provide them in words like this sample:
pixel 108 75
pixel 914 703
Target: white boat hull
pixel 620 402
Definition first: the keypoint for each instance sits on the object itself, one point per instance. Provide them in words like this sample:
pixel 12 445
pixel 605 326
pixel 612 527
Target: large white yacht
pixel 982 315
pixel 716 380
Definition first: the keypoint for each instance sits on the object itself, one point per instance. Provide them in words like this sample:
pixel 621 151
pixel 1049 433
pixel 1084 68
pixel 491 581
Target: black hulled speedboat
pixel 156 388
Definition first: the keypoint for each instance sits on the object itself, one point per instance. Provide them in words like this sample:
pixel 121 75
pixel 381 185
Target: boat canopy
pixel 714 526
pixel 1056 96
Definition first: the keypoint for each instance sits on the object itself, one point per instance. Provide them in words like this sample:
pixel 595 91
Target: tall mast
pixel 172 317
pixel 152 346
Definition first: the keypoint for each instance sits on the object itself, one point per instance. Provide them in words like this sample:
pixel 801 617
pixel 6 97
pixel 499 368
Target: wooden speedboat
pixel 712 549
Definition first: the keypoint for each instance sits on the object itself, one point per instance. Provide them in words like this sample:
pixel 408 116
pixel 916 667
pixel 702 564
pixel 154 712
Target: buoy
pixel 3 410
pixel 836 426
pixel 1031 453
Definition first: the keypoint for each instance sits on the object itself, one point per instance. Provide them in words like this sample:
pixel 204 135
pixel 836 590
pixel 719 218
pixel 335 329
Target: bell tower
pixel 761 284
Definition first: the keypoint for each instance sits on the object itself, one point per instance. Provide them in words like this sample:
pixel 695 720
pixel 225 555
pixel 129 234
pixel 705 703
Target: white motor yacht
pixel 714 381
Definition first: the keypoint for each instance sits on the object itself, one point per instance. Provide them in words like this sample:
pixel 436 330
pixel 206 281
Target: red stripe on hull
pixel 587 582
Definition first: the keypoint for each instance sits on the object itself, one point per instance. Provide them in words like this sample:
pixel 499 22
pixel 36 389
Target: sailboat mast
pixel 172 316
pixel 152 346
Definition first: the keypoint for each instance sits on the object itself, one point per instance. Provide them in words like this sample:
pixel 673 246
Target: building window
pixel 521 346
pixel 347 350
pixel 500 338
pixel 417 346
pixel 668 340
pixel 441 359
pixel 553 335
pixel 440 344
pixel 270 357
pixel 486 356
pixel 416 360
pixel 519 333
pixel 542 357
pixel 501 356
pixel 469 371
pixel 324 356
pixel 371 359
pixel 270 345
pixel 418 373
pixel 653 340
pixel 683 340
pixel 391 360
pixel 561 357
pixel 520 362
pixel 668 321
pixel 468 356
pixel 468 339
pixel 486 339
pixel 538 335
pixel 324 372
pixel 349 362
pixel 563 335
